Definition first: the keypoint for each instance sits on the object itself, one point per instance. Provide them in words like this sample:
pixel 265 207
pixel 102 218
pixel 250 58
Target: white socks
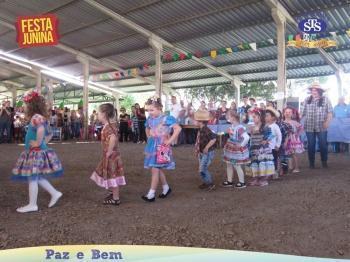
pixel 151 194
pixel 229 173
pixel 165 189
pixel 55 195
pixel 240 173
pixel 33 195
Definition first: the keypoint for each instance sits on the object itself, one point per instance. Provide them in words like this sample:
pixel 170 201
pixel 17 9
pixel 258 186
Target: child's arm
pixel 48 138
pixel 111 144
pixel 209 145
pixel 148 132
pixel 245 139
pixel 278 138
pixel 177 130
pixel 39 137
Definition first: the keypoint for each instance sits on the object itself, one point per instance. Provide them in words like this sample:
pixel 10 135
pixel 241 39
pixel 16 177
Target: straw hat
pixel 202 115
pixel 273 111
pixel 316 85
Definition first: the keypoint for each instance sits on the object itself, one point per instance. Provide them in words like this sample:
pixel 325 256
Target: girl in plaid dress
pixel 109 173
pixel 236 151
pixel 37 162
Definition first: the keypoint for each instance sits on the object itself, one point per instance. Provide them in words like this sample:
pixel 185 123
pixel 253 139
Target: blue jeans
pixel 311 145
pixel 204 163
pixel 5 125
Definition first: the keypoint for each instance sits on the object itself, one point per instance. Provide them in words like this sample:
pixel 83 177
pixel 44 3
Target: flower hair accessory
pixel 257 111
pixel 28 98
pixel 154 100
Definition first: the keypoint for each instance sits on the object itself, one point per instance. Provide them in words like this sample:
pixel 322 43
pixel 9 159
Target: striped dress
pixel 233 152
pixel 262 164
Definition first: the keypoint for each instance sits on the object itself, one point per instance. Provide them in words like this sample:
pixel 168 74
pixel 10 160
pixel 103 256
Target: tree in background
pixel 262 90
pixel 127 102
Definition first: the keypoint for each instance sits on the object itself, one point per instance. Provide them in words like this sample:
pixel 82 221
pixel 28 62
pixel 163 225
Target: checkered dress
pixel 316 115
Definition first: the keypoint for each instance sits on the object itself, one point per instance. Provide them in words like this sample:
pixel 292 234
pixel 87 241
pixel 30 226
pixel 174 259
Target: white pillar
pixel 280 21
pixel 339 84
pixel 85 63
pixel 117 104
pixel 237 86
pixel 49 93
pixel 38 79
pixel 158 49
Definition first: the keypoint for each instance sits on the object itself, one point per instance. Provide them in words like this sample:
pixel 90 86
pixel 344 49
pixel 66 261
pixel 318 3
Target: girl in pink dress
pixel 294 144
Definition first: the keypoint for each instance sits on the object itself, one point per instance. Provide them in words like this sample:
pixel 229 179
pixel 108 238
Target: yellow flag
pixel 348 32
pixel 331 43
pixel 229 50
pixel 291 43
pixel 213 54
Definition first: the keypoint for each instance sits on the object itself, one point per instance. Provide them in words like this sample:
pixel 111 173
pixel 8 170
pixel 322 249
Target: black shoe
pixel 165 195
pixel 324 165
pixel 148 199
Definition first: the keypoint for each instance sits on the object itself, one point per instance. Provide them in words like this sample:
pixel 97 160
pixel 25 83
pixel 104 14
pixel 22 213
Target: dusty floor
pixel 306 214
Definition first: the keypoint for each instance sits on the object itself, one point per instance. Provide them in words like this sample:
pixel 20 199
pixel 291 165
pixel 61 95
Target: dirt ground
pixel 306 214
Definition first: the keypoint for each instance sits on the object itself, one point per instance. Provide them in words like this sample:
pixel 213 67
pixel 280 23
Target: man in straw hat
pixel 317 111
pixel 205 148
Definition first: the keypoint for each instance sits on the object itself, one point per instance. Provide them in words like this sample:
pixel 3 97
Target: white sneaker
pixel 27 208
pixel 54 199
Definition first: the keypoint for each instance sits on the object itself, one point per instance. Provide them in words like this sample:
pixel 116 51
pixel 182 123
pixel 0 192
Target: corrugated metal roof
pixel 192 25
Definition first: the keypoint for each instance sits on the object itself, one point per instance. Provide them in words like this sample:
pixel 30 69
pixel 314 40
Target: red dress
pixel 109 172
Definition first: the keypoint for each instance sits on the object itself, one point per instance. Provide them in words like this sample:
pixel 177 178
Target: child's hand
pixel 167 142
pixel 109 153
pixel 264 142
pixel 33 143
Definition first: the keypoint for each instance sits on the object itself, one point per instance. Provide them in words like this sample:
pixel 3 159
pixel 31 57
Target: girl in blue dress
pixel 37 162
pixel 158 153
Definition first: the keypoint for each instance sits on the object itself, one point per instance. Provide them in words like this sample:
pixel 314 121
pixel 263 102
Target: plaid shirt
pixel 204 136
pixel 316 115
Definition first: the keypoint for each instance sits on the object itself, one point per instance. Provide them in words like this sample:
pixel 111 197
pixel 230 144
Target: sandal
pixel 111 201
pixel 110 196
pixel 240 185
pixel 227 184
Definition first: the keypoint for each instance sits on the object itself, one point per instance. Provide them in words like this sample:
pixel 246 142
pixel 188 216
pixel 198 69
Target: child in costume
pixel 236 151
pixel 158 152
pixel 110 173
pixel 37 162
pixel 205 148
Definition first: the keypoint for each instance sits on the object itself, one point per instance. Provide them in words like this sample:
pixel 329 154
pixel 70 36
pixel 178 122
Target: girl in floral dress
pixel 109 174
pixel 236 153
pixel 158 153
pixel 262 164
pixel 294 145
pixel 37 162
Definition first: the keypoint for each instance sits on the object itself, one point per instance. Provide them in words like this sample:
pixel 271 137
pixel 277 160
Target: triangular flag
pixel 146 66
pixel 182 56
pixel 122 74
pixel 117 75
pixel 229 50
pixel 290 37
pixel 129 72
pixel 246 46
pixel 270 40
pixel 236 49
pixel 189 56
pixel 222 51
pixel 176 57
pixel 134 71
pixel 348 32
pixel 253 46
pixel 168 57
pixel 198 54
pixel 213 54
pixel 241 47
pixel 141 68
pixel 298 37
pixel 333 34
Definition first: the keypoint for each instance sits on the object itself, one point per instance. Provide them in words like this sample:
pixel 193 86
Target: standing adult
pixel 203 106
pixel 341 110
pixel 175 110
pixel 141 117
pixel 233 107
pixel 5 122
pixel 317 112
pixel 124 125
pixel 221 113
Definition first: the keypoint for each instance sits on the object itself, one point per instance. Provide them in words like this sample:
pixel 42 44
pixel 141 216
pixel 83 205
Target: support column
pixel 158 49
pixel 14 96
pixel 236 86
pixel 49 93
pixel 280 21
pixel 339 84
pixel 117 104
pixel 85 63
pixel 38 79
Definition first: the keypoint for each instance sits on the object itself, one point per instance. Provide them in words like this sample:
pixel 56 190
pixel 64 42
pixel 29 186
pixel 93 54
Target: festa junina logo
pixel 37 30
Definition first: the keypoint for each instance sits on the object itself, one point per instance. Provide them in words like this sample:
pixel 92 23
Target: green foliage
pixel 264 90
pixel 127 102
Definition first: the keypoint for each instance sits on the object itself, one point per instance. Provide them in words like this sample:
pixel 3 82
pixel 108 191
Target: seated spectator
pixel 221 113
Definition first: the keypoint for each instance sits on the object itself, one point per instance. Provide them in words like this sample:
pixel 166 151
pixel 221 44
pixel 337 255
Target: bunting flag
pixel 348 32
pixel 253 46
pixel 213 54
pixel 297 41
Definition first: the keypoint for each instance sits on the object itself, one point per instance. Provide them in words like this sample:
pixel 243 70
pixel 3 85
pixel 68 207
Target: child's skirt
pixel 37 163
pixel 151 155
pixel 234 154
